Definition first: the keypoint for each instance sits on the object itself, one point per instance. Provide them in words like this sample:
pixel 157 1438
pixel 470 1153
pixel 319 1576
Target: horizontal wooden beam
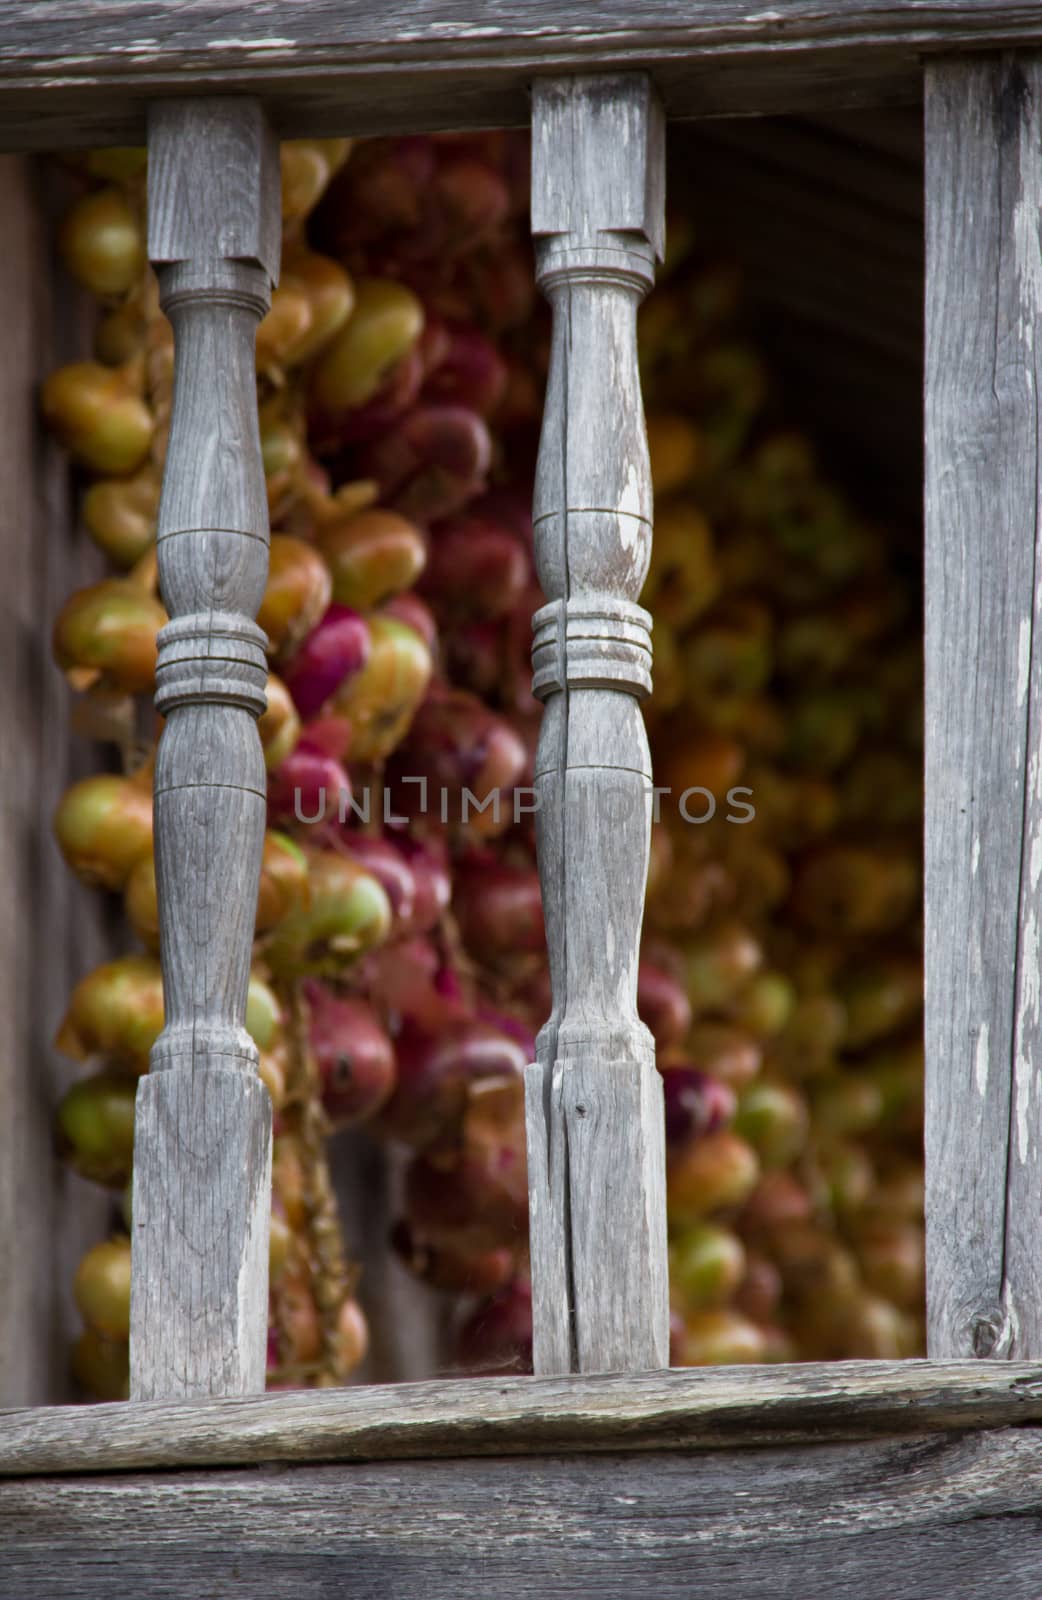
pixel 920 1518
pixel 681 1409
pixel 76 72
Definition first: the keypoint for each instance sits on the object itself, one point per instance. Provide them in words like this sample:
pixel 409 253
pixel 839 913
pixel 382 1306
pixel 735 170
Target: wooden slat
pixel 711 1409
pixel 983 705
pixel 953 1517
pixel 202 1134
pixel 593 1098
pixel 82 71
pixel 52 928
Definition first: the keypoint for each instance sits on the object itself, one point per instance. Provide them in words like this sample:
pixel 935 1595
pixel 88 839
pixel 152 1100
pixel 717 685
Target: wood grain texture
pixel 202 1148
pixel 83 71
pixel 593 1098
pixel 983 707
pixel 711 1409
pixel 53 929
pixel 923 1518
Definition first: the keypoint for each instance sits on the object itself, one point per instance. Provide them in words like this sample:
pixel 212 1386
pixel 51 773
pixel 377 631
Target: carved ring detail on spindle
pixel 628 265
pixel 212 658
pixel 235 285
pixel 590 642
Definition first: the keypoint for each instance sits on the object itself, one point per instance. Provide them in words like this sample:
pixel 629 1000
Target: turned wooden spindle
pixel 593 1098
pixel 202 1150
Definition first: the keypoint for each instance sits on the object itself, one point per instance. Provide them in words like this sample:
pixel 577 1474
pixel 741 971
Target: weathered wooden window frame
pixel 80 73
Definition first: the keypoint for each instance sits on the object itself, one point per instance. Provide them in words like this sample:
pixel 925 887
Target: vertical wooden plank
pixel 593 1097
pixel 52 928
pixel 983 707
pixel 202 1149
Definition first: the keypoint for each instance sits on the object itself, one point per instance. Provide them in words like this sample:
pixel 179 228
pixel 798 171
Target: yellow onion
pixel 120 514
pixel 102 1287
pixel 102 1366
pixel 298 592
pixel 372 556
pixel 279 726
pixel 283 880
pixel 103 825
pixel 115 1011
pixel 347 912
pixel 110 629
pixel 385 324
pixel 101 242
pixel 98 415
pixel 381 700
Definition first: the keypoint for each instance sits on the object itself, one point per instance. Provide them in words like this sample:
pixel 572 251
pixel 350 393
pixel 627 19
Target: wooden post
pixel 983 707
pixel 202 1155
pixel 593 1097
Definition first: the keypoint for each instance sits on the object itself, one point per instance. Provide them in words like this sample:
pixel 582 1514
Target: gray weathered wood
pixel 596 1154
pixel 983 707
pixel 202 1149
pixel 719 1408
pixel 951 1517
pixel 83 71
pixel 52 928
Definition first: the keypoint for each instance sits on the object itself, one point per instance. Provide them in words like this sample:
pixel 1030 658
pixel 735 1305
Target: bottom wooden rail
pixel 877 1481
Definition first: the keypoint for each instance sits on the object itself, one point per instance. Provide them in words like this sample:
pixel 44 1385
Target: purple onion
pixel 513 1027
pixel 336 647
pixel 309 786
pixel 695 1103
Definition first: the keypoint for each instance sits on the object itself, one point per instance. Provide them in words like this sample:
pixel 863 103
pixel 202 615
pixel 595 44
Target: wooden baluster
pixel 202 1153
pixel 593 1097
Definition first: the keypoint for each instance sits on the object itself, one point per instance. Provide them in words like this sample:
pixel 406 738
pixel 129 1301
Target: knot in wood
pixel 991 1335
pixel 591 642
pixel 211 658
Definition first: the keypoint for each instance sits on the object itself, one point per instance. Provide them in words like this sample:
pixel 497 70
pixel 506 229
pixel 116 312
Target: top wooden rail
pixel 81 72
pixel 711 1409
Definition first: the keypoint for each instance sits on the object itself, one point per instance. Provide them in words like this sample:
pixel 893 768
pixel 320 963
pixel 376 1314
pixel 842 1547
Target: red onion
pixel 411 610
pixel 446 1265
pixel 309 786
pixel 474 568
pixel 497 1337
pixel 429 865
pixel 470 373
pixel 334 649
pixel 498 905
pixel 434 1071
pixel 354 1054
pixel 663 1005
pixel 696 1104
